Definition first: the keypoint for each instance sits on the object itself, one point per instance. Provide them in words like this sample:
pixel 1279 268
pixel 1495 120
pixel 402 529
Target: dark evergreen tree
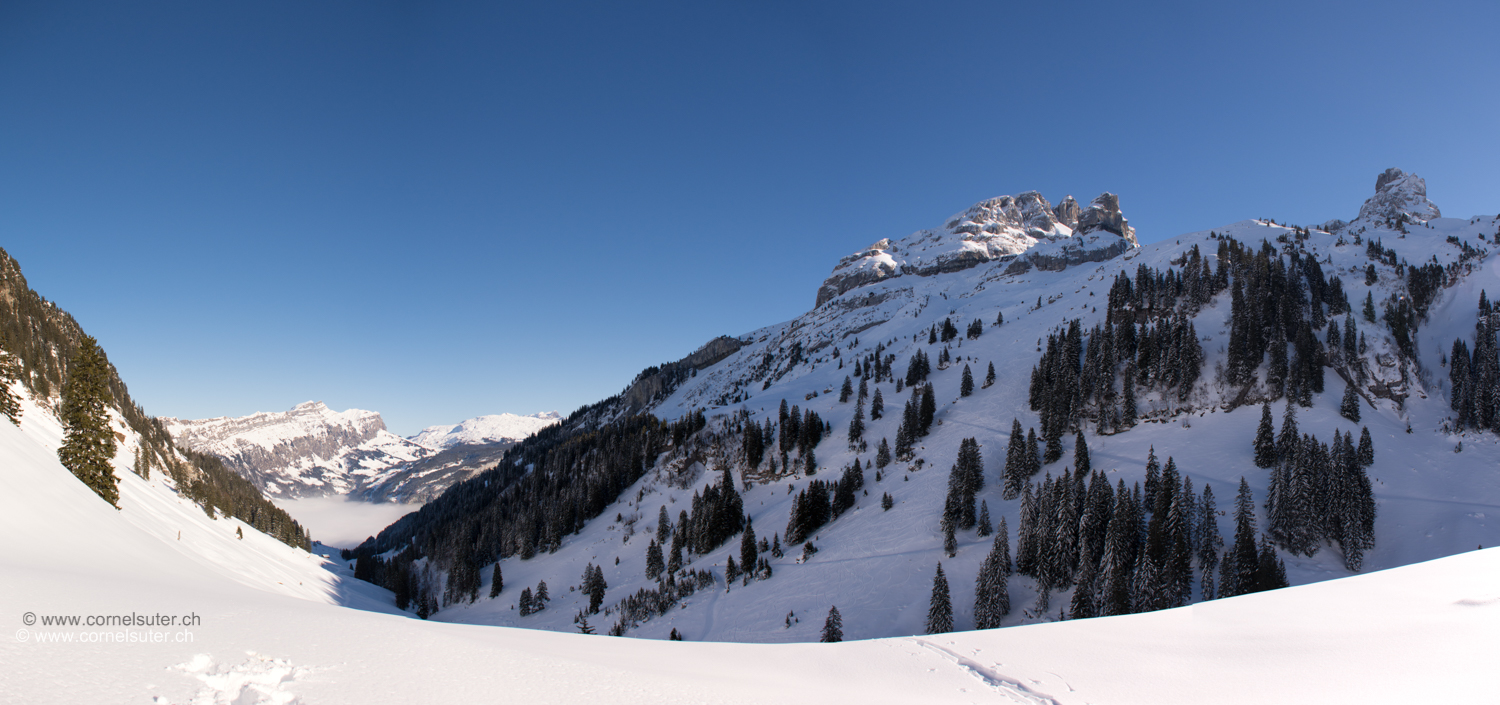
pixel 857 427
pixel 1033 456
pixel 1237 569
pixel 1349 408
pixel 886 501
pixel 663 525
pixel 1287 440
pixel 985 526
pixel 991 593
pixel 1366 448
pixel 1270 572
pixel 1265 439
pixel 541 596
pixel 940 607
pixel 877 405
pixel 1016 467
pixel 989 377
pixel 1081 464
pixel 88 443
pixel 833 627
pixel 1369 310
pixel 966 386
pixel 10 373
pixel 497 582
pixel 749 550
pixel 883 455
pixel 1117 564
pixel 927 410
pixel 950 541
pixel 846 391
pixel 731 571
pixel 655 564
pixel 527 606
pixel 1153 477
pixel 1209 544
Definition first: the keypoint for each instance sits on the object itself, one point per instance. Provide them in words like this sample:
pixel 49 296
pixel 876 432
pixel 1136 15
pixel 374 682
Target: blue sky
pixel 441 210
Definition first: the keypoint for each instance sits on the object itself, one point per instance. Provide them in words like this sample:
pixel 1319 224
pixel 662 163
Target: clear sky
pixel 440 210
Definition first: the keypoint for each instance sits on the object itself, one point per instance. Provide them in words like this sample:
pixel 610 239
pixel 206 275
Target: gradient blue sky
pixel 441 210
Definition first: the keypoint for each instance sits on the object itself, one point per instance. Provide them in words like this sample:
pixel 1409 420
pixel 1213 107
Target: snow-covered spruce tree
pixel 1349 408
pixel 940 606
pixel 991 593
pixel 655 564
pixel 966 385
pixel 1237 569
pixel 10 372
pixel 731 572
pixel 928 409
pixel 1288 438
pixel 1033 454
pixel 877 405
pixel 985 527
pixel 526 604
pixel 833 627
pixel 1117 565
pixel 1270 572
pixel 1015 462
pixel 541 596
pixel 846 391
pixel 1153 477
pixel 497 582
pixel 1081 464
pixel 989 377
pixel 88 444
pixel 748 548
pixel 1265 439
pixel 1366 453
pixel 1209 544
pixel 882 453
pixel 663 525
pixel 857 427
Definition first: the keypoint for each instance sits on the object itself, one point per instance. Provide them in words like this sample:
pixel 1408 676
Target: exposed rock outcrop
pixel 1006 229
pixel 1399 198
pixel 1104 214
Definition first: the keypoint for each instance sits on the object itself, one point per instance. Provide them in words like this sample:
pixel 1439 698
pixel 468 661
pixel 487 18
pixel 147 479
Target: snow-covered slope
pixel 309 451
pixel 877 565
pixel 493 428
pixel 1413 634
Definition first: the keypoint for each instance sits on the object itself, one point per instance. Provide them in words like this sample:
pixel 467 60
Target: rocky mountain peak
pixel 1104 214
pixel 1399 197
pixel 1067 212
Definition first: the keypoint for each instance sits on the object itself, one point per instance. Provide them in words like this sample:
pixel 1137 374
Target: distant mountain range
pixel 313 451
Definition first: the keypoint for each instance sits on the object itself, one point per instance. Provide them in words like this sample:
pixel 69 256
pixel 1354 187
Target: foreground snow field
pixel 274 625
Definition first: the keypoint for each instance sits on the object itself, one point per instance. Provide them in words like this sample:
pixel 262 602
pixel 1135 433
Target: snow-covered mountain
pixel 259 622
pixel 314 451
pixel 309 451
pixel 481 430
pixel 876 564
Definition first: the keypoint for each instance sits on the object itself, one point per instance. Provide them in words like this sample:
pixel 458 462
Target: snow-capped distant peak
pixel 485 429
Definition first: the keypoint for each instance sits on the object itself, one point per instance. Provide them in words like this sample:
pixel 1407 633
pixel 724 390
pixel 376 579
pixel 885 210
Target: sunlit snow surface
pixel 1421 633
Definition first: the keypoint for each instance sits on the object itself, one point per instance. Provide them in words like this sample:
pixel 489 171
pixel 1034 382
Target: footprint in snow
pixel 260 680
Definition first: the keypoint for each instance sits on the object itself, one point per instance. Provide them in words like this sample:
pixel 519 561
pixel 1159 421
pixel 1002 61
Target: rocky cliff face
pixel 310 450
pixel 1399 198
pixel 1004 228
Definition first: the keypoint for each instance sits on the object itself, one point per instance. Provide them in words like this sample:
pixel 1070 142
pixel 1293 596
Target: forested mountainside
pixel 46 340
pixel 1112 408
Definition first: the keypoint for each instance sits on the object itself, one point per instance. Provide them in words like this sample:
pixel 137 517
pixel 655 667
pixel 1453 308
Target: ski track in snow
pixel 1013 689
pixel 258 680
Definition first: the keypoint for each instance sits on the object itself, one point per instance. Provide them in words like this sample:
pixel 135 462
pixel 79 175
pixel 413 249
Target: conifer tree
pixel 731 571
pixel 883 453
pixel 1369 310
pixel 1015 462
pixel 1265 439
pixel 541 596
pixel 497 583
pixel 663 525
pixel 857 427
pixel 1117 565
pixel 877 405
pixel 1209 544
pixel 1287 440
pixel 985 527
pixel 991 593
pixel 88 444
pixel 966 386
pixel 1032 456
pixel 846 391
pixel 1366 448
pixel 950 541
pixel 1237 569
pixel 1270 572
pixel 526 604
pixel 10 372
pixel 654 563
pixel 928 409
pixel 989 377
pixel 1349 408
pixel 748 548
pixel 1153 477
pixel 833 627
pixel 1081 465
pixel 940 606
